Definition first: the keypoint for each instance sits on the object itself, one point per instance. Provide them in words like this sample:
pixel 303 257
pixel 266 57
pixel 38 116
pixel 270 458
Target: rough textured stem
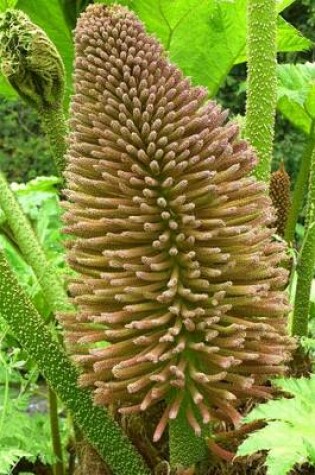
pixel 306 264
pixel 54 125
pixel 48 279
pixel 300 187
pixel 310 205
pixel 186 448
pixel 28 327
pixel 55 433
pixel 305 272
pixel 262 82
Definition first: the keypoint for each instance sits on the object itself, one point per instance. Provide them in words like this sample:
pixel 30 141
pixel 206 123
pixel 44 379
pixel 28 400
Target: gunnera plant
pixel 179 293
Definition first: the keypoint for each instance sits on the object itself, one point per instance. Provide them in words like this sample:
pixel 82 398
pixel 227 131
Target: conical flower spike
pixel 172 242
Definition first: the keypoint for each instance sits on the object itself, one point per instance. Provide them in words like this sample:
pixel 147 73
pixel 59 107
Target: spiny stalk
pixel 36 339
pixel 262 82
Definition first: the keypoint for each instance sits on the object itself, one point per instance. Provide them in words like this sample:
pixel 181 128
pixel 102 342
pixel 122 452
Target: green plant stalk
pixel 6 393
pixel 30 330
pixel 305 273
pixel 262 82
pixel 27 241
pixel 186 448
pixel 55 127
pixel 50 283
pixel 58 466
pixel 306 262
pixel 300 186
pixel 310 205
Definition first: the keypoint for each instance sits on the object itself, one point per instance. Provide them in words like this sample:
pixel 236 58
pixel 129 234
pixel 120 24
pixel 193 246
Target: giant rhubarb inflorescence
pixel 171 238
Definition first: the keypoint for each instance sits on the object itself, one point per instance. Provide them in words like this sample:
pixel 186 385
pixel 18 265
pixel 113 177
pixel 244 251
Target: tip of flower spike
pixel 99 10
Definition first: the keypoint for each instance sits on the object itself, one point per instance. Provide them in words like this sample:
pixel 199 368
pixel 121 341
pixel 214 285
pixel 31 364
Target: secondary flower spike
pixel 171 237
pixel 280 195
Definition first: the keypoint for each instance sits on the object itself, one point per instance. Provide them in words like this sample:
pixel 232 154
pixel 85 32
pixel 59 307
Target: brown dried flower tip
pixel 281 197
pixel 171 239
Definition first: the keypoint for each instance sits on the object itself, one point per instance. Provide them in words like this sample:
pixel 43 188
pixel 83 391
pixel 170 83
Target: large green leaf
pixel 4 4
pixel 207 37
pixel 204 37
pixel 288 436
pixel 288 39
pixel 283 455
pixel 296 94
pixel 6 90
pixel 282 4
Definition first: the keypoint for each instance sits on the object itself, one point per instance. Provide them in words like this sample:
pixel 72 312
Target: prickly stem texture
pixel 53 363
pixel 54 291
pixel 34 68
pixel 310 204
pixel 306 263
pixel 262 82
pixel 171 238
pixel 305 273
pixel 300 187
pixel 280 195
pixel 185 448
pixel 55 127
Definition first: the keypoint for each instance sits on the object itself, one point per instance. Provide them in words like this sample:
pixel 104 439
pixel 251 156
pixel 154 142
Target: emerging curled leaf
pixel 172 242
pixel 30 61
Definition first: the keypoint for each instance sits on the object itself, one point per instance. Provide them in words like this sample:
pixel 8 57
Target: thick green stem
pixel 300 187
pixel 54 125
pixel 25 237
pixel 186 448
pixel 306 263
pixel 305 273
pixel 48 279
pixel 55 433
pixel 99 428
pixel 310 205
pixel 262 82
